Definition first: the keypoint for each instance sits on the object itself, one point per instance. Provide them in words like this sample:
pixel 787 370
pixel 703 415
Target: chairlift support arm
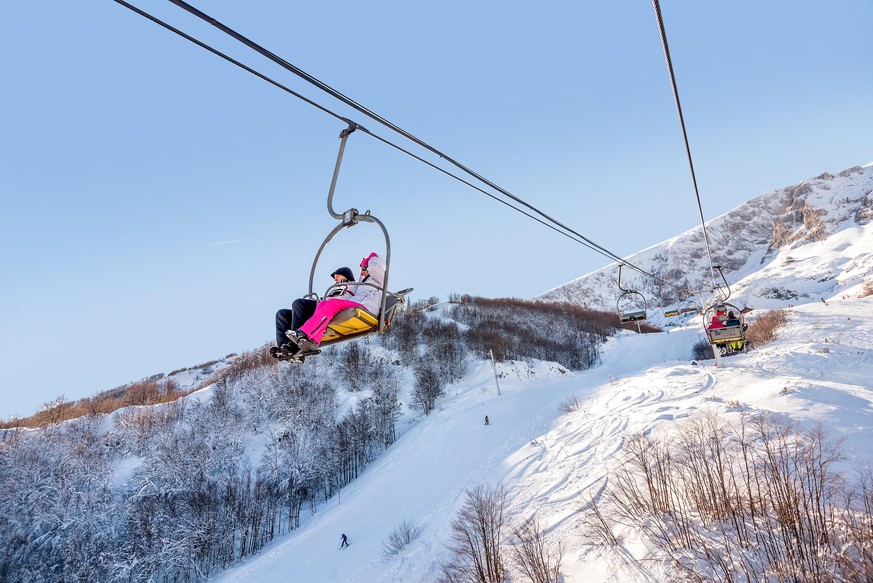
pixel 717 286
pixel 619 279
pixel 350 218
pixel 344 136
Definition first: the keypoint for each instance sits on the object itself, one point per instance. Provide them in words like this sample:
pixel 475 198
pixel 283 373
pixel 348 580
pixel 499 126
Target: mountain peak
pixel 809 225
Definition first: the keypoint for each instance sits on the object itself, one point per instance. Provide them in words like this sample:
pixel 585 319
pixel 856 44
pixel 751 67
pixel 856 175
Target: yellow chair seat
pixel 349 323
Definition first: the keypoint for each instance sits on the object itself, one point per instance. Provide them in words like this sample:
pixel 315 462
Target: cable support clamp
pixel 350 217
pixel 352 127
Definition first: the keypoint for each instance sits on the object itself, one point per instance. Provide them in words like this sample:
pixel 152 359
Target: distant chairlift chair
pixel 631 305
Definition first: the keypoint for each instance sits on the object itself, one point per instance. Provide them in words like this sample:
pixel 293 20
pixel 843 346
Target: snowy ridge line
pixel 754 243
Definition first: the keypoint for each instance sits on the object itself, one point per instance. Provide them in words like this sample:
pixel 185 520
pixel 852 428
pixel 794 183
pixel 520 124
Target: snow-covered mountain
pixel 787 246
pixel 553 463
pixel 790 246
pixel 556 440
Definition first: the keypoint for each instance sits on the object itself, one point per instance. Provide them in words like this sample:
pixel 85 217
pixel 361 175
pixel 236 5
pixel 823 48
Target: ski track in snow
pixel 553 464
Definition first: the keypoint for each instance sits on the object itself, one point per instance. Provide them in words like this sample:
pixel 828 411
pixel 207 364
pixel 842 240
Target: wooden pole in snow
pixel 494 368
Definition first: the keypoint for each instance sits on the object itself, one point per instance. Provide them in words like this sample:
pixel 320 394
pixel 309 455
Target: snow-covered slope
pixel 791 245
pixel 552 462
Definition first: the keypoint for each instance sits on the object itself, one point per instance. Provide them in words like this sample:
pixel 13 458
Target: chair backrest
pixel 726 334
pixel 391 302
pixel 632 316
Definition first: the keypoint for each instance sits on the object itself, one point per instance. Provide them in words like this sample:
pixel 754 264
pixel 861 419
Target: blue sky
pixel 159 204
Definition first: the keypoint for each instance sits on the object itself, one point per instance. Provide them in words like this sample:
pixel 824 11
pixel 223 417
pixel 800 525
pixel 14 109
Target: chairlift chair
pixel 356 322
pixel 731 337
pixel 626 316
pixel 631 304
pixel 688 307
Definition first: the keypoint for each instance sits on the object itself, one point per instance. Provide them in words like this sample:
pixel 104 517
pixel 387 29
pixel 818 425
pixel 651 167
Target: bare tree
pixel 476 539
pixel 571 404
pixel 598 526
pixel 532 556
pixel 427 388
pixel 54 410
pixel 752 501
pixel 765 327
pixel 353 359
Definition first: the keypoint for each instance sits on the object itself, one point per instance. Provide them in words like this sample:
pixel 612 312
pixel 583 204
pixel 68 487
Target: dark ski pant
pixel 301 310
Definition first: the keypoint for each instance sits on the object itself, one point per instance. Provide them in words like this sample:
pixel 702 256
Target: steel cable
pixel 549 221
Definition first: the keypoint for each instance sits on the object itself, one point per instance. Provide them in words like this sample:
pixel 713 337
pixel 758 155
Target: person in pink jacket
pixel 309 336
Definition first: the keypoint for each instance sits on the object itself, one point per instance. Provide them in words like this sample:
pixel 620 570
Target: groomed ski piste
pixel 551 462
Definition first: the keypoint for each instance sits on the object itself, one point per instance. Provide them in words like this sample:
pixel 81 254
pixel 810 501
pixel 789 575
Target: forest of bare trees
pixel 149 486
pixel 762 499
pixel 191 502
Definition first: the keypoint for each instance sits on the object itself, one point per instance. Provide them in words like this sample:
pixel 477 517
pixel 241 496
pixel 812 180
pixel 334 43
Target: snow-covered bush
pixel 702 350
pixel 765 326
pixel 406 532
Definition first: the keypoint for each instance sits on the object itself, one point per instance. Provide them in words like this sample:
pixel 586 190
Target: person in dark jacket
pixel 301 310
pixel 308 336
pixel 345 541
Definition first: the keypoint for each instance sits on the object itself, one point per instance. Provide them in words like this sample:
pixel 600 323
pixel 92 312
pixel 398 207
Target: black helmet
pixel 345 272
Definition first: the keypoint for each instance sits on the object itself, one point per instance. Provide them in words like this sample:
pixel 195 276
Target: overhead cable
pixel 371 114
pixel 357 126
pixel 663 32
pixel 555 225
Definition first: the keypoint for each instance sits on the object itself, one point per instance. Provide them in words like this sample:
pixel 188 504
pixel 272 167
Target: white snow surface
pixel 552 463
pixel 790 249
